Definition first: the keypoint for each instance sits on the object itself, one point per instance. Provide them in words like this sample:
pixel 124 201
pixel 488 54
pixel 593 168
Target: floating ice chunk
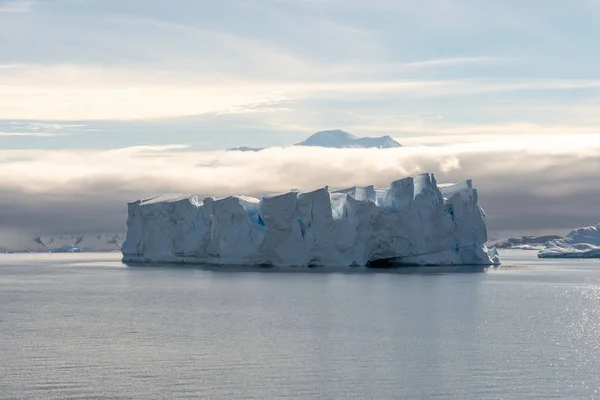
pixel 66 249
pixel 494 255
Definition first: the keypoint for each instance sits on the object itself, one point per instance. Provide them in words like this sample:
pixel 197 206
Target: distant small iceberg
pixel 66 249
pixel 579 243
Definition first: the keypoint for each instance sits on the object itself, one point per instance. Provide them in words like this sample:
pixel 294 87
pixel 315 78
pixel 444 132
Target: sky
pixel 106 101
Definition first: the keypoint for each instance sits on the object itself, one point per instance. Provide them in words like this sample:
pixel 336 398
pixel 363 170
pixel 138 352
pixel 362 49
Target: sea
pixel 85 326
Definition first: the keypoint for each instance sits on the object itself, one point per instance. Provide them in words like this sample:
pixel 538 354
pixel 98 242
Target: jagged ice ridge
pixel 413 222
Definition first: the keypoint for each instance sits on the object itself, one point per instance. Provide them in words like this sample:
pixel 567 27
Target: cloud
pixel 446 16
pixel 91 61
pixel 444 62
pixel 75 93
pixel 34 134
pixel 85 191
pixel 486 133
pixel 16 6
pixel 39 129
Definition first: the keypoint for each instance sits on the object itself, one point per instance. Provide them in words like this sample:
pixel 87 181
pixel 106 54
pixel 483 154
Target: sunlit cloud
pixel 72 93
pixel 40 129
pixel 490 134
pixel 95 185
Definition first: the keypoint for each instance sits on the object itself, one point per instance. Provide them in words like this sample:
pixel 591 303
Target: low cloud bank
pixel 547 184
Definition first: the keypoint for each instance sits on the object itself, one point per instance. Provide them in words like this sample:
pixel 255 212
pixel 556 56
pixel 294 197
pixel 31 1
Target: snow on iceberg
pixel 579 243
pixel 413 222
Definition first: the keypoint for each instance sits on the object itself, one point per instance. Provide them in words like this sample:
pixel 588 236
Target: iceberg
pixel 413 222
pixel 66 249
pixel 578 243
pixel 494 255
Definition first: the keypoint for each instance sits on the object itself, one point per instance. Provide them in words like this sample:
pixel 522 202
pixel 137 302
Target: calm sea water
pixel 80 326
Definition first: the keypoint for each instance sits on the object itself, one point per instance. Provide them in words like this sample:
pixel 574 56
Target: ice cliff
pixel 413 222
pixel 579 243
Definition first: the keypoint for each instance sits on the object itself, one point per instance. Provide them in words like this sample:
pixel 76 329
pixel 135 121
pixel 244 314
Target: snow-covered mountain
pixel 342 140
pixel 337 139
pixel 92 242
pixel 524 242
pixel 578 243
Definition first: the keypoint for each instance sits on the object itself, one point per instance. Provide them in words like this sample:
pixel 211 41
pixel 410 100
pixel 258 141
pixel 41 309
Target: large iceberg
pixel 579 243
pixel 413 222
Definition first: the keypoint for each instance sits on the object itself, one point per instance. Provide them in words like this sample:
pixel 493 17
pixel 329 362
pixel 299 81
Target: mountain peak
pixel 330 138
pixel 333 133
pixel 337 138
